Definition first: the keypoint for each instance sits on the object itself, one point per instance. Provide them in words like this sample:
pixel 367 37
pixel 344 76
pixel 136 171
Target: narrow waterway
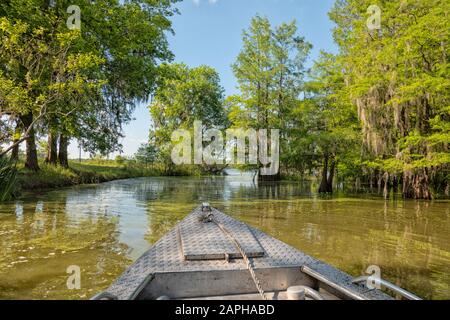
pixel 103 228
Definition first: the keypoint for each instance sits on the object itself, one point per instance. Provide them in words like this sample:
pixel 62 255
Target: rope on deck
pixel 211 218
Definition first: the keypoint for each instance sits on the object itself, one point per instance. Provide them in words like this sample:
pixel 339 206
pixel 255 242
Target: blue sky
pixel 210 32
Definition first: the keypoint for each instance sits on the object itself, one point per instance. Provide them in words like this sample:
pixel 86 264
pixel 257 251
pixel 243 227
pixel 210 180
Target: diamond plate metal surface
pixel 205 241
pixel 166 256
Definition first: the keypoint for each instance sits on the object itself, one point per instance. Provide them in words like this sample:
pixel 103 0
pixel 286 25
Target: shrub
pixel 8 179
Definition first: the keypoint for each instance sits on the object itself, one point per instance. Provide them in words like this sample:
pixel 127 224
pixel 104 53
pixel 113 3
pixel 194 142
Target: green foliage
pixel 133 42
pixel 37 63
pixel 90 172
pixel 270 72
pixel 79 83
pixel 146 154
pixel 325 124
pixel 381 106
pixel 184 95
pixel 399 79
pixel 120 160
pixel 378 107
pixel 87 172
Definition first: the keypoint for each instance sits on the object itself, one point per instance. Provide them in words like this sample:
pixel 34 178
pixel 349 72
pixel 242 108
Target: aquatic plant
pixel 8 178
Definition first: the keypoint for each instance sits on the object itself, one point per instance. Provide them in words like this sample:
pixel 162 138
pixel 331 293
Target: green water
pixel 103 228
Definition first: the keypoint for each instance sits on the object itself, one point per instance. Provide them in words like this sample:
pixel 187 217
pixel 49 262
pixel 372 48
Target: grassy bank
pixel 89 172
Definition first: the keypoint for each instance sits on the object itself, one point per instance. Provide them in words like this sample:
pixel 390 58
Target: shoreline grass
pixel 88 172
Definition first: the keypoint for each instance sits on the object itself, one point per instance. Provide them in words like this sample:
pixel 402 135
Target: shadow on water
pixel 104 228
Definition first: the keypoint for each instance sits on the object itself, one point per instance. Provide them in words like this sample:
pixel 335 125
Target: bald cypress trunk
pixel 331 176
pixel 63 154
pixel 324 182
pixel 416 185
pixel 275 177
pixel 386 185
pixel 15 152
pixel 52 148
pixel 31 160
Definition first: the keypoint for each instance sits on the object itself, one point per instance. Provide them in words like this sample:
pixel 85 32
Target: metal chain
pixel 242 252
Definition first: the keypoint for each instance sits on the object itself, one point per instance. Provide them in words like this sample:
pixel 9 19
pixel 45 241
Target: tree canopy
pixel 185 95
pixel 376 112
pixel 398 78
pixel 81 83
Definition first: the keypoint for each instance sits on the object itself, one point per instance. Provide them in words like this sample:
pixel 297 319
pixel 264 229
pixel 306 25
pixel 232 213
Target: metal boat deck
pixel 195 259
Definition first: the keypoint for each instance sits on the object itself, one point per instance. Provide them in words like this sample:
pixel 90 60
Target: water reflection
pixel 104 228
